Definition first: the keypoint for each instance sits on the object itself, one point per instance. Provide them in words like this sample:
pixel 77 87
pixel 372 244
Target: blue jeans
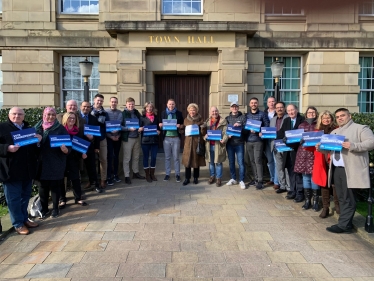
pixel 270 157
pixel 17 194
pixel 215 169
pixel 149 148
pixel 113 156
pixel 308 183
pixel 239 151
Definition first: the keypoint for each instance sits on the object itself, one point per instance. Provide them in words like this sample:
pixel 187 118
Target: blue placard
pixel 80 145
pixel 294 136
pixel 92 130
pixel 253 125
pixel 234 131
pixel 192 130
pixel 280 146
pixel 113 126
pixel 214 135
pixel 150 130
pixel 268 132
pixel 332 142
pixel 132 123
pixel 58 140
pixel 312 138
pixel 24 137
pixel 169 124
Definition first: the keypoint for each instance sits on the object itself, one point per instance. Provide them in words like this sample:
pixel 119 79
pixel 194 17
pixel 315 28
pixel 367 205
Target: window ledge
pixel 77 17
pixel 288 18
pixel 182 17
pixel 366 18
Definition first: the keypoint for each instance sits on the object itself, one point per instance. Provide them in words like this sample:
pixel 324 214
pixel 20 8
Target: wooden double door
pixel 184 89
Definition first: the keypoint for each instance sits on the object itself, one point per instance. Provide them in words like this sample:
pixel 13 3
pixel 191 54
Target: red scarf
pixel 213 126
pixel 150 116
pixel 73 131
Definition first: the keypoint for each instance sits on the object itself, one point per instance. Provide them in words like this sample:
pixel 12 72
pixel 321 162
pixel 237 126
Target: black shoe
pixel 186 181
pixel 298 199
pixel 127 180
pixel 291 196
pixel 116 179
pixel 195 180
pixel 177 178
pixel 99 189
pixel 166 178
pixel 260 185
pixel 253 183
pixel 55 213
pixel 138 176
pixel 336 229
pixel 280 190
pixel 61 205
pixel 110 182
pixel 44 215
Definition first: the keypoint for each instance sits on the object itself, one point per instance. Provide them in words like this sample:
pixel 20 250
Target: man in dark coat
pixel 292 122
pixel 17 169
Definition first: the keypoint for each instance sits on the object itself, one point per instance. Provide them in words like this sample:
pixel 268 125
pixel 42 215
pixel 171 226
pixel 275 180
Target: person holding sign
pixel 292 122
pixel 17 169
pixel 349 167
pixel 52 162
pixel 71 123
pixel 194 129
pixel 131 141
pixel 216 148
pixel 305 160
pixel 254 143
pixel 150 131
pixel 113 141
pixel 171 138
pixel 235 145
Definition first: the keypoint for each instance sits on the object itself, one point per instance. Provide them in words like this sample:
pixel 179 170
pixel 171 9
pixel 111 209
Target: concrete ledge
pixel 7 227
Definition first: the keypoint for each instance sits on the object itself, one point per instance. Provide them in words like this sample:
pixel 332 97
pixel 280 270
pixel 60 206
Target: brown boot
pixel 336 200
pixel 218 182
pixel 152 174
pixel 147 175
pixel 325 193
pixel 212 180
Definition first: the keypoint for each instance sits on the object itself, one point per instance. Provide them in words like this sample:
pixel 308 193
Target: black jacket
pixel 53 160
pixel 92 120
pixel 144 121
pixel 20 165
pixel 286 126
pixel 104 115
pixel 180 121
pixel 231 120
pixel 258 116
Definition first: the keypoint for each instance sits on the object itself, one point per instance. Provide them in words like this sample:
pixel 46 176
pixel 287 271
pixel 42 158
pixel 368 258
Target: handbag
pixel 35 207
pixel 200 149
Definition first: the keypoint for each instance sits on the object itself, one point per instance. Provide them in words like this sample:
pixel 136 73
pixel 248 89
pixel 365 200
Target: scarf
pixel 73 131
pixel 46 125
pixel 96 112
pixel 40 130
pixel 327 129
pixel 213 126
pixel 310 120
pixel 196 118
pixel 150 116
pixel 168 112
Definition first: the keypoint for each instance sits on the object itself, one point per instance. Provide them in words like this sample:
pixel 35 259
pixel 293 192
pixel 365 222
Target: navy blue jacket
pixel 259 116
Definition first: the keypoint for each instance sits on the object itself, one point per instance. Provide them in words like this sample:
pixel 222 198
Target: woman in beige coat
pixel 216 150
pixel 190 158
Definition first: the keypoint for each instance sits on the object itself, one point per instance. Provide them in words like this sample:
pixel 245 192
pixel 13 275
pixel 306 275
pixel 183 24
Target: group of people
pixel 304 173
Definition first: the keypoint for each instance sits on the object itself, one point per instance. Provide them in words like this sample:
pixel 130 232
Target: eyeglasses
pixel 19 114
pixel 311 112
pixel 71 118
pixel 279 107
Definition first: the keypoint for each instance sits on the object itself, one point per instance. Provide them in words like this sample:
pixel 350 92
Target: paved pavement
pixel 164 231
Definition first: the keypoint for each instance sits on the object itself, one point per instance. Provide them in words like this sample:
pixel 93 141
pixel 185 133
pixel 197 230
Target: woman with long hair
pixel 52 161
pixel 71 123
pixel 149 143
pixel 326 123
pixel 190 158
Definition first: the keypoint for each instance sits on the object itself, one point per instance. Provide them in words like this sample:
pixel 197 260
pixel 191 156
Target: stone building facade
pixel 156 49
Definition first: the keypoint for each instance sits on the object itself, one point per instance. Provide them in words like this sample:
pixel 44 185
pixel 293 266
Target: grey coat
pixel 356 158
pixel 273 123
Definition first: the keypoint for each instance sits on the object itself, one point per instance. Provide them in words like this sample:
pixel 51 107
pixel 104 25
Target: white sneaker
pixel 242 185
pixel 232 182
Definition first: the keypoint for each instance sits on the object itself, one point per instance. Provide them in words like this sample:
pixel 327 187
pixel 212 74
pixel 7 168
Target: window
pixel 72 80
pixel 79 6
pixel 1 6
pixel 279 9
pixel 289 83
pixel 366 8
pixel 366 82
pixel 182 7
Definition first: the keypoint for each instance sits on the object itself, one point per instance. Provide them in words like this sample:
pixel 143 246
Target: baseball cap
pixel 234 103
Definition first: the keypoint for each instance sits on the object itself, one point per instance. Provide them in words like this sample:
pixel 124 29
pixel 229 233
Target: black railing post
pixel 369 227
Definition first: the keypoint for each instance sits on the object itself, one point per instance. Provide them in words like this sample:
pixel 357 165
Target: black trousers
pixel 196 173
pixel 296 179
pixel 77 190
pixel 53 186
pixel 346 196
pixel 90 163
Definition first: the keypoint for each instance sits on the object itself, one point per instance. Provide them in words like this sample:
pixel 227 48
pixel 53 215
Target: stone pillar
pixel 255 76
pixel 108 74
pixel 331 80
pixel 30 78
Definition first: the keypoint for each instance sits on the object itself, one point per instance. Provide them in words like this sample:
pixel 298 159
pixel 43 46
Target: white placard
pixel 232 98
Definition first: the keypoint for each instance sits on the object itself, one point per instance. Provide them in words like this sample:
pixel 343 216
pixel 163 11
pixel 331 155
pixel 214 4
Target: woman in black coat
pixel 149 143
pixel 70 121
pixel 52 161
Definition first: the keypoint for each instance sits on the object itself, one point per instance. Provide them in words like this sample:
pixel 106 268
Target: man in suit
pixel 72 106
pixel 292 122
pixel 93 149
